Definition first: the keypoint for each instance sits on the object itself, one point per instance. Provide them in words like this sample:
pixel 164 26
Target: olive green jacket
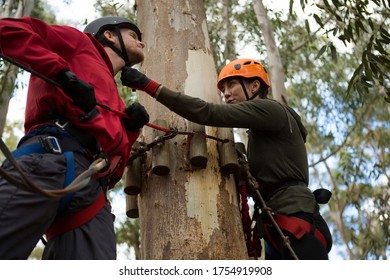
pixel 276 143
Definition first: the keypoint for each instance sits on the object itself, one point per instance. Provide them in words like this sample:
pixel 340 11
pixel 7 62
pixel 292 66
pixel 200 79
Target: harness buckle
pixel 50 144
pixel 62 125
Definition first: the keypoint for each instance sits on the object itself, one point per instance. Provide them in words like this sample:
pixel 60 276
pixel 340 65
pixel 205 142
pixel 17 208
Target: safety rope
pixel 255 188
pixel 169 134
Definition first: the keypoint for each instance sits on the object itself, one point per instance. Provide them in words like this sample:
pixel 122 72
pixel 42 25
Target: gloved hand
pixel 132 78
pixel 138 117
pixel 82 93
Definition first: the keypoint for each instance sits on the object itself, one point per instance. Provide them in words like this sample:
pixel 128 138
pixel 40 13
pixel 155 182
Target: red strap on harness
pixel 297 227
pixel 68 223
pixel 253 244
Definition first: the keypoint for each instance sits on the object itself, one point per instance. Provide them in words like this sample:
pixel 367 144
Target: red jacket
pixel 47 49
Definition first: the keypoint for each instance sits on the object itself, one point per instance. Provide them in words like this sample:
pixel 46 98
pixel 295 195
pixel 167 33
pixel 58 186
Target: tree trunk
pixel 190 213
pixel 9 72
pixel 230 51
pixel 276 72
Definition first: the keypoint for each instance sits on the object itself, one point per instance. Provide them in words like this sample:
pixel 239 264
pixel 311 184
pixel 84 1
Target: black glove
pixel 138 117
pixel 82 93
pixel 132 78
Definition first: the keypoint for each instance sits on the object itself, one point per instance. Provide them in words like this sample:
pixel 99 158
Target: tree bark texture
pixel 190 213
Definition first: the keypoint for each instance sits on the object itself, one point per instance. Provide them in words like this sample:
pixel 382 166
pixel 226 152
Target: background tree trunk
pixel 8 71
pixel 189 213
pixel 276 70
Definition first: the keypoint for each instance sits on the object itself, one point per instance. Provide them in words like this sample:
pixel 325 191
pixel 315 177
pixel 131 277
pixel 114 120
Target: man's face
pixel 134 47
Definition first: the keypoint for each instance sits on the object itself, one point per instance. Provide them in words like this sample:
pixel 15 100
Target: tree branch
pixel 338 148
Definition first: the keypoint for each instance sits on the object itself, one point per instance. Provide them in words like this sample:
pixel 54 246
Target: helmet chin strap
pixel 244 89
pixel 246 93
pixel 122 53
pixel 255 95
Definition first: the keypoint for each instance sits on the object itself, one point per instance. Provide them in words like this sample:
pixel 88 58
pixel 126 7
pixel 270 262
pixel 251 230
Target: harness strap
pixel 244 88
pixel 64 224
pixel 295 226
pixel 51 144
pixel 48 144
pixel 69 177
pixel 251 238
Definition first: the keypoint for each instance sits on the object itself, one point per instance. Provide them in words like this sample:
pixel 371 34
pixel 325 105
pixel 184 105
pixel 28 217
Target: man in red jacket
pixel 66 131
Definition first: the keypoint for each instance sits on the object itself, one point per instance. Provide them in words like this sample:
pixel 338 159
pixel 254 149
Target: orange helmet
pixel 243 67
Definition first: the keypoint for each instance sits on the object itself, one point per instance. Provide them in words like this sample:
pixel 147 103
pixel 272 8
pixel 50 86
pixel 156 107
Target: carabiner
pixel 171 134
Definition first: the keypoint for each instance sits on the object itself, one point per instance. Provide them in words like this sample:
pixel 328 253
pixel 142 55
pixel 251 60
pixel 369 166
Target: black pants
pixel 308 247
pixel 25 216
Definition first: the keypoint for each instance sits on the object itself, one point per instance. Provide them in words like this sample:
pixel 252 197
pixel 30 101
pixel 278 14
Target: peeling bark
pixel 189 213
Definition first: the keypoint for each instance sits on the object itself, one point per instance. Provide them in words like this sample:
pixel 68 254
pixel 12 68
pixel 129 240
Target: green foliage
pixel 43 11
pixel 115 8
pixel 364 23
pixel 128 233
pixel 225 25
pixel 11 139
pixel 368 232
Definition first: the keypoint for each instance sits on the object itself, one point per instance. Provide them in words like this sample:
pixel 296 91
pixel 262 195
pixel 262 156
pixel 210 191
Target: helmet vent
pixel 237 66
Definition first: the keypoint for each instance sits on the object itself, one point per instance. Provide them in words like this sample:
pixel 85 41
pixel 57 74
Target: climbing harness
pixel 255 189
pixel 297 227
pixel 51 144
pixel 63 224
pixel 294 225
pixel 252 239
pixel 78 183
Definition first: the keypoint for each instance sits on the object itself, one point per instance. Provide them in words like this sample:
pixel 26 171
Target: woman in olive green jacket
pixel 276 150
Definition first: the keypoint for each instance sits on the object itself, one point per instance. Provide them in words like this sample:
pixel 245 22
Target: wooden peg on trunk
pixel 160 152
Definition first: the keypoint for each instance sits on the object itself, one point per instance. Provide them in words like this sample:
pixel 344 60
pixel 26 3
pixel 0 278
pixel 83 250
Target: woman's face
pixel 233 91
